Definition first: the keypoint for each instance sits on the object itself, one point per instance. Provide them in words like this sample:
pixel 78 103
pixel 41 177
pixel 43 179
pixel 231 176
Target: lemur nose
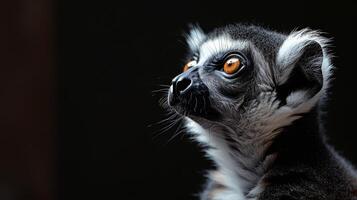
pixel 181 84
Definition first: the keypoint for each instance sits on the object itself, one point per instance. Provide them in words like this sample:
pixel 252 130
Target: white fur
pixel 219 153
pixel 208 49
pixel 228 195
pixel 254 193
pixel 218 45
pixel 195 38
pixel 292 48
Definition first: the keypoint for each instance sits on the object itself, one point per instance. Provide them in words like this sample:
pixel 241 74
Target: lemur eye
pixel 232 65
pixel 189 65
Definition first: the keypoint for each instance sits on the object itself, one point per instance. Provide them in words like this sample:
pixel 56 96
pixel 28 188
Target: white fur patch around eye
pixel 218 45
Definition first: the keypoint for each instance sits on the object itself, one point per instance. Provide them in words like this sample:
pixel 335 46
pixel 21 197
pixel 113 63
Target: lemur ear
pixel 195 37
pixel 300 67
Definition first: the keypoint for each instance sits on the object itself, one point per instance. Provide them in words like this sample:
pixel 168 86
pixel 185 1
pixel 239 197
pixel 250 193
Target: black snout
pixel 181 84
pixel 190 96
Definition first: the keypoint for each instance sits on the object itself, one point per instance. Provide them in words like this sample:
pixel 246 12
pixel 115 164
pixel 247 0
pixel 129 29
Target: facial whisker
pixel 163 85
pixel 169 126
pixel 176 133
pixel 171 116
pixel 160 90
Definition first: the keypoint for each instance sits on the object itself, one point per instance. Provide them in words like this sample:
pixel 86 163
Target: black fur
pixel 305 167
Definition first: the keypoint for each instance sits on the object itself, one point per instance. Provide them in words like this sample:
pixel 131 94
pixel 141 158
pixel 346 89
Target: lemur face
pixel 217 79
pixel 246 73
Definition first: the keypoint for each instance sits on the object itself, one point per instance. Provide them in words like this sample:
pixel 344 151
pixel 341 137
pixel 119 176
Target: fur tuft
pixel 195 37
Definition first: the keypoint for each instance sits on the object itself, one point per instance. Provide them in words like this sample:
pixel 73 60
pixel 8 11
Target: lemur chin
pixel 253 96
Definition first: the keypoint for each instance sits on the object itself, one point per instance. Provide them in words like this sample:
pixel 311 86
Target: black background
pixel 111 55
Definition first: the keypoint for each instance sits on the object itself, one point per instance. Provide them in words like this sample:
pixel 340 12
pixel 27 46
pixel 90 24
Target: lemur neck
pixel 251 157
pixel 302 140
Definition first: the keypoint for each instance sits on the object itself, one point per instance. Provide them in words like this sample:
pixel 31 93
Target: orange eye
pixel 189 65
pixel 232 65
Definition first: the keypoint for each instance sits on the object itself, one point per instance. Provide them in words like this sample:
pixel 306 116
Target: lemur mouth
pixel 189 96
pixel 192 102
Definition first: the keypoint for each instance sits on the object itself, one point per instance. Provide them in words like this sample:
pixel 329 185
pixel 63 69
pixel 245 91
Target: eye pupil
pixel 231 66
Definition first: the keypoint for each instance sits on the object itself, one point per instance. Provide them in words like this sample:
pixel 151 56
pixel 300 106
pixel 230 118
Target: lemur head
pixel 246 78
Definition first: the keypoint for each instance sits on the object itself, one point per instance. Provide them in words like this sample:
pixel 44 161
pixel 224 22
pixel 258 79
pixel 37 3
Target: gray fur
pixel 266 115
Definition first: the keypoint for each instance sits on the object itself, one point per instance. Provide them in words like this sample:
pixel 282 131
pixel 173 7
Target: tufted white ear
pixel 303 66
pixel 195 37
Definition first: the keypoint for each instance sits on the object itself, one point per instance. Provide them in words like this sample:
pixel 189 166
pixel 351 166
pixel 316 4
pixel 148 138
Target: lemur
pixel 253 97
